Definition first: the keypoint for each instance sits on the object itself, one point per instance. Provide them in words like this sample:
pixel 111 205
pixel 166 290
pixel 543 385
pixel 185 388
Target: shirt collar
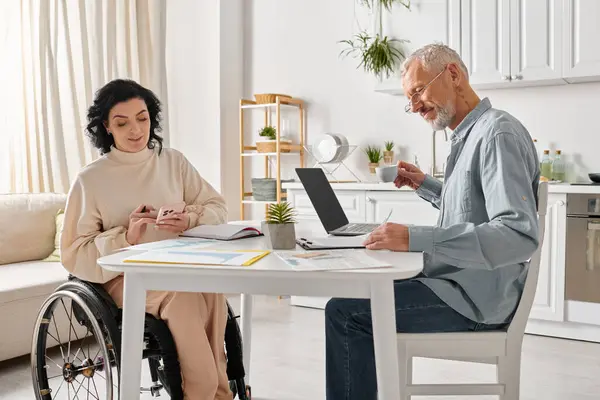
pixel 465 125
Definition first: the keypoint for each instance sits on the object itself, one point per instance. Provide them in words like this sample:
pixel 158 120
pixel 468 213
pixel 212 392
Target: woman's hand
pixel 175 223
pixel 138 219
pixel 409 175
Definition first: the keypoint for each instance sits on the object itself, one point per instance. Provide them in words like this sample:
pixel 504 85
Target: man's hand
pixel 388 236
pixel 409 175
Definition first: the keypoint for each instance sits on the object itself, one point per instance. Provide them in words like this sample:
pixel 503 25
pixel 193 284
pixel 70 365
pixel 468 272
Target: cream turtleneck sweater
pixel 106 191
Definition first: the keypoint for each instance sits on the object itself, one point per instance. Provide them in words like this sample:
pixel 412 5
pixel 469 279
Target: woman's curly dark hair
pixel 118 91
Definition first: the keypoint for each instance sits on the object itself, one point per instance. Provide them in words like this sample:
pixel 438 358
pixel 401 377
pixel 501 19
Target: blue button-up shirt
pixel 476 258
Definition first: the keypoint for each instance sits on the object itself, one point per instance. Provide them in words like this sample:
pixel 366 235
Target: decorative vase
pixel 388 157
pixel 265 189
pixel 372 167
pixel 279 236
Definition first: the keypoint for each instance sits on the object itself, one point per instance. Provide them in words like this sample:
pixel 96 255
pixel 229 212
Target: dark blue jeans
pixel 350 357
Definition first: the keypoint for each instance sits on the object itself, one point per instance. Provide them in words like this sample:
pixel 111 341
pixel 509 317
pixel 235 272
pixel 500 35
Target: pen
pixel 388 217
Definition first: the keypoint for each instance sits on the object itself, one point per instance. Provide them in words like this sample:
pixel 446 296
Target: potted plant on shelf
pixel 388 153
pixel 269 143
pixel 374 155
pixel 278 226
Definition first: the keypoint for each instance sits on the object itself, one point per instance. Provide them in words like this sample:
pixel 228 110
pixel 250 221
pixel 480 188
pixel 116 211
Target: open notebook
pixel 222 232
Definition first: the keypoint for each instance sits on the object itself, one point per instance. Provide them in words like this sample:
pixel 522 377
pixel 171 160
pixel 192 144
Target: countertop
pixel 379 186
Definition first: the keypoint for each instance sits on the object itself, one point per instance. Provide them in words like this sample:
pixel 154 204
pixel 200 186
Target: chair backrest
pixel 519 321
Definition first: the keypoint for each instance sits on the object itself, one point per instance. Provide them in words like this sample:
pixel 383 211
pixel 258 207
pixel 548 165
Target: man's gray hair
pixel 434 57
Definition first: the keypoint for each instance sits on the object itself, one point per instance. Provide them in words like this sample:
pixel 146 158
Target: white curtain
pixel 58 53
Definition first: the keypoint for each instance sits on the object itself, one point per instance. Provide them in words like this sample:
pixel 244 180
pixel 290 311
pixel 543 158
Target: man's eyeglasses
pixel 416 97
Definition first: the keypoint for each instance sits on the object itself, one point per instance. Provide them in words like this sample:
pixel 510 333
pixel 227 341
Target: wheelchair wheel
pixel 234 351
pixel 68 364
pixel 164 362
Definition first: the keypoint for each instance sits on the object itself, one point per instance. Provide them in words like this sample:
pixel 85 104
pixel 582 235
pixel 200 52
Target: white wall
pixel 204 69
pixel 291 47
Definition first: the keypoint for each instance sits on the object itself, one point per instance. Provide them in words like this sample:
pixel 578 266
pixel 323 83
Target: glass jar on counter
pixel 558 168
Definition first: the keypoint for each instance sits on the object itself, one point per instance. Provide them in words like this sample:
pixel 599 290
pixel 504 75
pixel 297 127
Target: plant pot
pixel 279 236
pixel 388 157
pixel 372 167
pixel 265 189
pixel 270 146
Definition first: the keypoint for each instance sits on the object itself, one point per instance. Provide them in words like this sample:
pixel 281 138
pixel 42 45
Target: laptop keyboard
pixel 366 228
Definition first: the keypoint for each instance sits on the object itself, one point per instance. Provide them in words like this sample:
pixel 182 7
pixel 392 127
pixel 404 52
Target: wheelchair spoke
pixel 82 342
pixel 59 387
pixel 55 363
pixel 75 394
pixel 96 389
pixel 80 385
pixel 57 335
pixel 103 377
pixel 71 327
pixel 70 319
pixel 76 355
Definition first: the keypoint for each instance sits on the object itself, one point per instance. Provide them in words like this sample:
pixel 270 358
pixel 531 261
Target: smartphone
pixel 166 210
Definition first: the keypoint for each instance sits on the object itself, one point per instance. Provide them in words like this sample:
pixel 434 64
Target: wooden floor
pixel 288 363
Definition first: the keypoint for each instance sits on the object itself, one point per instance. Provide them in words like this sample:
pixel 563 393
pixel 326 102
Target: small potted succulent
pixel 278 226
pixel 374 155
pixel 388 153
pixel 269 142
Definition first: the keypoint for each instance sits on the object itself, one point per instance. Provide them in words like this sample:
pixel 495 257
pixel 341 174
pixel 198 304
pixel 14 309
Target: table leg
pixel 134 307
pixel 385 340
pixel 247 332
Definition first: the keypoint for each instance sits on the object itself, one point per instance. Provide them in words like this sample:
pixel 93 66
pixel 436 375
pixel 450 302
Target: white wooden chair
pixel 500 348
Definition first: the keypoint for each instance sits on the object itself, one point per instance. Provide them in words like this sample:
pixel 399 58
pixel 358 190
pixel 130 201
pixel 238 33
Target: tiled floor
pixel 287 362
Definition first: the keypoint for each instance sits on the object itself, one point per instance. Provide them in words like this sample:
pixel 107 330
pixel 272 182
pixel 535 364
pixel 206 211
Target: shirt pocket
pixel 459 193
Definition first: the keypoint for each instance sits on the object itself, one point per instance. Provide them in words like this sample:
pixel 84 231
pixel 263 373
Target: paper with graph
pixel 330 260
pixel 198 256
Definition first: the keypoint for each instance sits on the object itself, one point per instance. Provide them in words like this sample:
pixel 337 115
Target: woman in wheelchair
pixel 113 204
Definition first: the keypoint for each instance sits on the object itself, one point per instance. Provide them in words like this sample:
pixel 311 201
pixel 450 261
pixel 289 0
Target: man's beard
pixel 443 117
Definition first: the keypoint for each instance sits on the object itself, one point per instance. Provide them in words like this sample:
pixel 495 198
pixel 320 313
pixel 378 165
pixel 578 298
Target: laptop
pixel 327 205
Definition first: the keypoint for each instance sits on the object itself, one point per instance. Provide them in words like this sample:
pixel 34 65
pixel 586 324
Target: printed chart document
pixel 198 256
pixel 180 243
pixel 330 260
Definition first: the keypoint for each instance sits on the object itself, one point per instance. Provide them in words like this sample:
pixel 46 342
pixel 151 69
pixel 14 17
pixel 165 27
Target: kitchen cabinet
pixel 406 207
pixel 352 201
pixel 485 40
pixel 536 41
pixel 507 43
pixel 581 33
pixel 549 300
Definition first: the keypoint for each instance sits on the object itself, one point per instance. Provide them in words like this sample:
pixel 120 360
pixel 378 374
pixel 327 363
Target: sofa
pixel 30 268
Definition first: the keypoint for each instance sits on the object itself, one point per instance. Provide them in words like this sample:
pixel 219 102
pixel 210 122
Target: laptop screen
pixel 323 198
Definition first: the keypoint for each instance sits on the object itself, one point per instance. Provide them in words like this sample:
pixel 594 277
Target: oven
pixel 582 274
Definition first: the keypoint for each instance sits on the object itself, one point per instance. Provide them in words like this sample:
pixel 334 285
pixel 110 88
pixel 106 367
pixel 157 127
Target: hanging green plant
pixel 378 55
pixel 387 4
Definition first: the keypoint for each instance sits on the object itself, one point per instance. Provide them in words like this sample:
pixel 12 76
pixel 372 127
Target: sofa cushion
pixel 55 255
pixel 28 225
pixel 29 279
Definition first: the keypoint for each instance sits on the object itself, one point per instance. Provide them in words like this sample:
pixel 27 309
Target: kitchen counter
pixel 352 186
pixel 380 186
